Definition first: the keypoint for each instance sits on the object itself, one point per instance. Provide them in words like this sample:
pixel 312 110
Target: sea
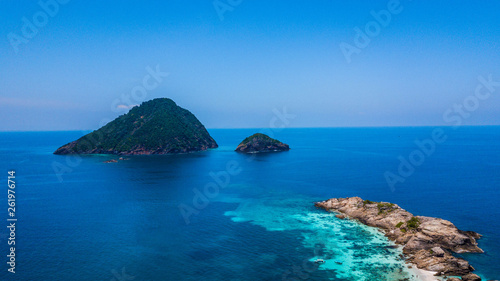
pixel 221 215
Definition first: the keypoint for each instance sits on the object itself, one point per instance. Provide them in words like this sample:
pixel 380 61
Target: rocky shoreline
pixel 427 242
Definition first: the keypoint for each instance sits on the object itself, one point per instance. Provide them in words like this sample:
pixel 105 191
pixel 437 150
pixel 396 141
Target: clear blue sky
pixel 263 55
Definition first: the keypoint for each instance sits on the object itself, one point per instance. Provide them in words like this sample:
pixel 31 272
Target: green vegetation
pixel 384 208
pixel 413 223
pixel 260 137
pixel 368 202
pixel 261 143
pixel 156 126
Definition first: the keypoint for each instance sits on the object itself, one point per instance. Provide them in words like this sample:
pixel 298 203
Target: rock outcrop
pixel 157 126
pixel 471 277
pixel 427 242
pixel 261 143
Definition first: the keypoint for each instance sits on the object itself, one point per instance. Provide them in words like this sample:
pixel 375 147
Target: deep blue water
pixel 118 221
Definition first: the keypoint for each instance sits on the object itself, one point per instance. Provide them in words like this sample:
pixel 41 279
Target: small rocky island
pixel 427 242
pixel 158 126
pixel 261 143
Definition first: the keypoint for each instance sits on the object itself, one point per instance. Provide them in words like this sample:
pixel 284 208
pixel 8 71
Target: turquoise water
pixel 118 221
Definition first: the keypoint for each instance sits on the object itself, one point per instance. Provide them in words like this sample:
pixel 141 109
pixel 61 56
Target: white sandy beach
pixel 424 275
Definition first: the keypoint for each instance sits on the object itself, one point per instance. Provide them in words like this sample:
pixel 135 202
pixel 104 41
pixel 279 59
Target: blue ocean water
pixel 82 219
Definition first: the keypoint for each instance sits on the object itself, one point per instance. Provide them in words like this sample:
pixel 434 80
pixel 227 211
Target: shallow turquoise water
pixel 102 221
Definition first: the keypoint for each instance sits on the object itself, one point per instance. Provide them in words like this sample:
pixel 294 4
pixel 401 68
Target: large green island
pixel 158 126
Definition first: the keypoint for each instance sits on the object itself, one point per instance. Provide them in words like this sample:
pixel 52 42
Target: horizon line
pixel 260 128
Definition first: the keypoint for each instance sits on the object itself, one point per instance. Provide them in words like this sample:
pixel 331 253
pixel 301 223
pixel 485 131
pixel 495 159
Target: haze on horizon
pixel 234 63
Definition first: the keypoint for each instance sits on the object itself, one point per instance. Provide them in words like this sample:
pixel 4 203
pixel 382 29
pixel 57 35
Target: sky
pixel 75 65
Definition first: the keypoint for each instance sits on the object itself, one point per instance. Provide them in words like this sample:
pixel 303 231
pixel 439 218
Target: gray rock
pixel 471 277
pixel 437 251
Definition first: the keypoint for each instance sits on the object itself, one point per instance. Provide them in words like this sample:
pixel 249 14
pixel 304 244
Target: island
pixel 427 242
pixel 158 126
pixel 261 143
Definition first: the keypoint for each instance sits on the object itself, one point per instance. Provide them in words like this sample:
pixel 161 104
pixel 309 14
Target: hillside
pixel 157 126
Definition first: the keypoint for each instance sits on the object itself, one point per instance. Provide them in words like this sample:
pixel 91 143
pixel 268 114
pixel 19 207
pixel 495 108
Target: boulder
pixel 437 252
pixel 471 277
